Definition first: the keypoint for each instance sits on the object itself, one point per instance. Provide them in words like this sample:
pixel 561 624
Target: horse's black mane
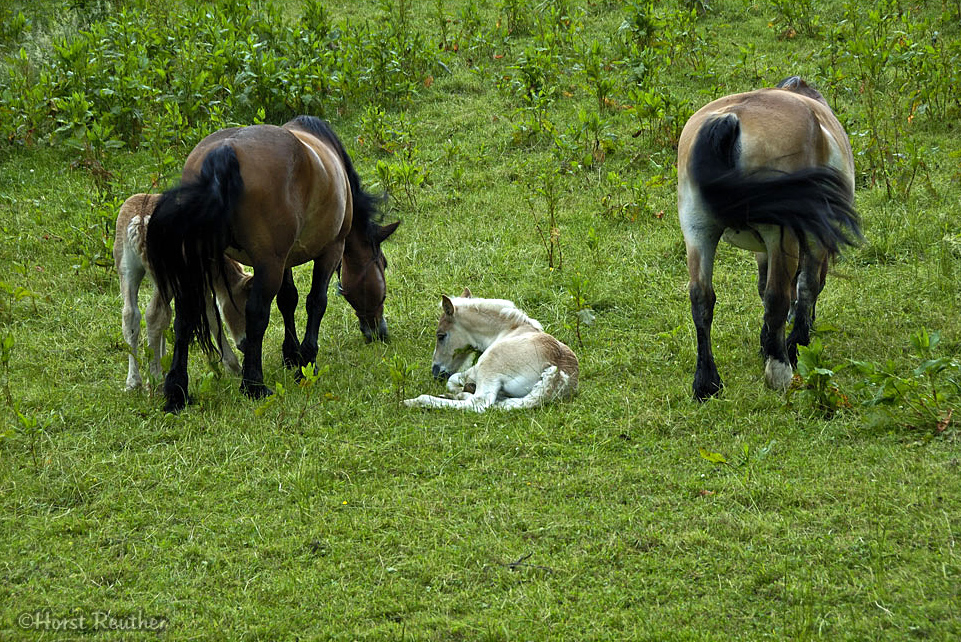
pixel 366 205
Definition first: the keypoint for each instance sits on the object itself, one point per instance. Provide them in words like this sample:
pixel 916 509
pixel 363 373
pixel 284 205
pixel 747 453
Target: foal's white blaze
pixel 520 365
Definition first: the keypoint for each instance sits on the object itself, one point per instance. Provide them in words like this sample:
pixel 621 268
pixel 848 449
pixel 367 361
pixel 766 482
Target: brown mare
pixel 770 171
pixel 272 198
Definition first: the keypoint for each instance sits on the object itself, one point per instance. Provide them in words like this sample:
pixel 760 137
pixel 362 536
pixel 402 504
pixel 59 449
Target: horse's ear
pixel 382 232
pixel 467 293
pixel 448 305
pixel 792 83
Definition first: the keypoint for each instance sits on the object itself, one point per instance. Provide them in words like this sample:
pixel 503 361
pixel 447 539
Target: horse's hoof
pixel 706 391
pixel 417 402
pixel 176 394
pixel 778 375
pixel 174 406
pixel 255 390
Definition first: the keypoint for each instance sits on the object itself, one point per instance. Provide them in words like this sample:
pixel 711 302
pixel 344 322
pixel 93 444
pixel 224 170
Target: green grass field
pixel 629 513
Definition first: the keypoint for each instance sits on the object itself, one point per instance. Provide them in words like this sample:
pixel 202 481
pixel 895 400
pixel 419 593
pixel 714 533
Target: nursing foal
pixel 130 258
pixel 520 365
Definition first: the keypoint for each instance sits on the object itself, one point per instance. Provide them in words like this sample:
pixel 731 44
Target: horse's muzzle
pixel 376 329
pixel 439 373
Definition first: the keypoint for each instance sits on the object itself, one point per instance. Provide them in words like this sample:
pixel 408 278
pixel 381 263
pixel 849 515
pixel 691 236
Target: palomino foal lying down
pixel 130 258
pixel 520 365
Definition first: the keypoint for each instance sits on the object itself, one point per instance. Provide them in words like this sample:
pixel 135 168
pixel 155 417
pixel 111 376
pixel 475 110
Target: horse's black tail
pixel 188 234
pixel 814 202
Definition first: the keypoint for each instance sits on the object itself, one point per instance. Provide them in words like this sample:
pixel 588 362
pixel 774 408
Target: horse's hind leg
pixel 158 320
pixel 700 265
pixel 761 258
pixel 130 279
pixel 227 356
pixel 287 299
pixel 175 384
pixel 810 282
pixel 263 288
pixel 782 266
pixel 553 384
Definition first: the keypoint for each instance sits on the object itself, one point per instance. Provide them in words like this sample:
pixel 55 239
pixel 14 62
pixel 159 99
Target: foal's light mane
pixel 506 310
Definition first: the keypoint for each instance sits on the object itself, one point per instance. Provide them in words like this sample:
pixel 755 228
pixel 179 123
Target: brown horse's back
pixel 296 195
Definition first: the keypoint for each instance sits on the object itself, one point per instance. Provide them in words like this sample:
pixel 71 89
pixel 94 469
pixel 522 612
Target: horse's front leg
pixel 287 299
pixel 782 266
pixel 462 382
pixel 263 288
pixel 477 402
pixel 324 266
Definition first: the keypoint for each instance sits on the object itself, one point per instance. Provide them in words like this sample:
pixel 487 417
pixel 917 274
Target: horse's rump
pixel 747 179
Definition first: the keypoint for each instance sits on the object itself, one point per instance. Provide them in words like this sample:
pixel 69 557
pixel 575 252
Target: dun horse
pixel 272 198
pixel 770 171
pixel 520 365
pixel 130 258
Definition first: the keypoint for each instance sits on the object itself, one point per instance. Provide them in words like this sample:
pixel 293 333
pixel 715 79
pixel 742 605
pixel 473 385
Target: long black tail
pixel 814 202
pixel 188 234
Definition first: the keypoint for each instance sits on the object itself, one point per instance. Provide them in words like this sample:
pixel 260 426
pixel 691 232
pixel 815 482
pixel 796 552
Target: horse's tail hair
pixel 814 202
pixel 554 384
pixel 188 235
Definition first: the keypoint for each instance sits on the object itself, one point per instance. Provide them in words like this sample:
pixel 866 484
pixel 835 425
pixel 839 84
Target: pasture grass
pixel 335 513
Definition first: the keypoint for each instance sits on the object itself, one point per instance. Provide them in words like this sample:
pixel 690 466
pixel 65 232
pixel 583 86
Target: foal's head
pixel 362 280
pixel 453 346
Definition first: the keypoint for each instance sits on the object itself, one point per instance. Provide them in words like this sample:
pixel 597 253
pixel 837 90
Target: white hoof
pixel 778 375
pixel 416 402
